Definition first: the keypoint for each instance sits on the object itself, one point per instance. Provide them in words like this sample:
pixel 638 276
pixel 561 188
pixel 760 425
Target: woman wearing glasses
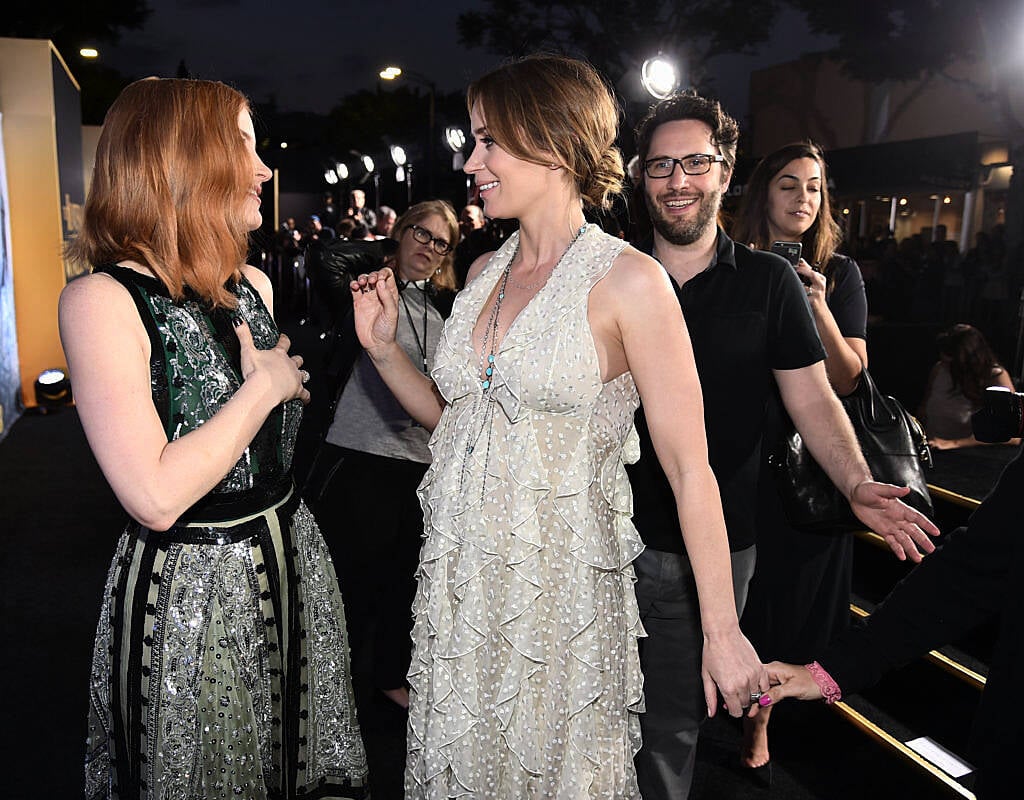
pixel 800 592
pixel 525 678
pixel 375 456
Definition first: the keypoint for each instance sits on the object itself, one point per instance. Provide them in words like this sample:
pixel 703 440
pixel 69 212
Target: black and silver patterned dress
pixel 220 668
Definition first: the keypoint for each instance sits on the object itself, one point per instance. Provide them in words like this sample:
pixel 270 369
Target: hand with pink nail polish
pixel 792 680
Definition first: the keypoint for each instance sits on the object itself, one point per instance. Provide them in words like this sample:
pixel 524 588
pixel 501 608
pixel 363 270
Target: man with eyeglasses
pixel 751 330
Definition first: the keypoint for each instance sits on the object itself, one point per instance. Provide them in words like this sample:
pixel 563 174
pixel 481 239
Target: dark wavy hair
pixel 725 132
pixel 750 226
pixel 972 363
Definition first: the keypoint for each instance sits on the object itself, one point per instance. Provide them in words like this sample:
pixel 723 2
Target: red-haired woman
pixel 220 665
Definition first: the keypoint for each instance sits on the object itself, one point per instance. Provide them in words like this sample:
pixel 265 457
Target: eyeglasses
pixel 440 246
pixel 695 164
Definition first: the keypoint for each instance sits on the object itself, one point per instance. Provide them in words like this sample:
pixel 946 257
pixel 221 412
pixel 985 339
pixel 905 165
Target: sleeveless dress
pixel 525 680
pixel 220 668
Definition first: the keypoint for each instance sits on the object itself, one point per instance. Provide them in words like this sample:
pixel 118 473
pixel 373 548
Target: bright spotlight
pixel 399 174
pixel 341 170
pixel 903 201
pixel 398 155
pixel 52 390
pixel 659 77
pixel 330 176
pixel 89 52
pixel 284 145
pixel 368 163
pixel 947 200
pixel 454 138
pixel 390 73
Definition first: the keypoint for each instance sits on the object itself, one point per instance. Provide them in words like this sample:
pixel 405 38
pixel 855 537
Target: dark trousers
pixel 670 658
pixel 371 519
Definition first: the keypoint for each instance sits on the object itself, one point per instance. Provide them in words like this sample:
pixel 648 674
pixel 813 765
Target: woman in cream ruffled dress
pixel 525 680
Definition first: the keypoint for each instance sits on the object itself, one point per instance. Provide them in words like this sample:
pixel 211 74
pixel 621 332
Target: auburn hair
pixel 445 277
pixel 552 109
pixel 168 188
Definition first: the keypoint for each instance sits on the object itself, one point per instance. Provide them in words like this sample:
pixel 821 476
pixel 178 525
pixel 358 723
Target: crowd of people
pixel 540 494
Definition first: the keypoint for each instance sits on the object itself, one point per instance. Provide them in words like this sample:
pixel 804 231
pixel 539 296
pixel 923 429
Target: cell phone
pixel 788 250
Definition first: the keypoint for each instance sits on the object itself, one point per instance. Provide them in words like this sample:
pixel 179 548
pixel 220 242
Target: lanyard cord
pixel 421 346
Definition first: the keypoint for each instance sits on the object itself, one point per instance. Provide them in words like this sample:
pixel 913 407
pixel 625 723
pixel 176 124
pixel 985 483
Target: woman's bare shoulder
pixel 636 272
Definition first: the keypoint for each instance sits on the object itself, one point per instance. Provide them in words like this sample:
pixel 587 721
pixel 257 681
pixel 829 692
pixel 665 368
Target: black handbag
pixel 894 446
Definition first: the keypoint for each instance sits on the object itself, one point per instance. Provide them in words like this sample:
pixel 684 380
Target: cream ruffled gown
pixel 525 676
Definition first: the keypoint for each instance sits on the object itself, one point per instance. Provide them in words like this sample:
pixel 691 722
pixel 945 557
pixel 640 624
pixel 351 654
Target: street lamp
pixel 659 77
pixel 403 170
pixel 390 73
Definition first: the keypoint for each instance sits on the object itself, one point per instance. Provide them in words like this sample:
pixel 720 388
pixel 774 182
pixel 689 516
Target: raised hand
pixel 814 282
pixel 283 374
pixel 375 305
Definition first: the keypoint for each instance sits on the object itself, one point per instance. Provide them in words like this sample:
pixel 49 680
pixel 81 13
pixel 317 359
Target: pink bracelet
pixel 830 690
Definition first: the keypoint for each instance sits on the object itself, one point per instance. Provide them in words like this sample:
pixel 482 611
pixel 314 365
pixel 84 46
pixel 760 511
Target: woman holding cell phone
pixel 799 595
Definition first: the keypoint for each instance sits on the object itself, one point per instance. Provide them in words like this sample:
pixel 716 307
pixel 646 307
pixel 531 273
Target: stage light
pixel 330 176
pixel 659 77
pixel 341 169
pixel 89 52
pixel 390 73
pixel 454 138
pixel 398 155
pixel 903 201
pixel 947 200
pixel 284 145
pixel 52 389
pixel 367 164
pixel 399 174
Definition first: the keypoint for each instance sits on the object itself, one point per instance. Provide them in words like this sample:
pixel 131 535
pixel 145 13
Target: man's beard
pixel 681 231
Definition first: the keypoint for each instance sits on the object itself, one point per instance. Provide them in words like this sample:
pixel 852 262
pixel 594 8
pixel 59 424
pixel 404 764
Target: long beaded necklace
pixel 485 371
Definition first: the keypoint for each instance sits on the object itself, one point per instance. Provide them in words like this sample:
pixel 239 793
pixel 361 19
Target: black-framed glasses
pixel 694 164
pixel 440 246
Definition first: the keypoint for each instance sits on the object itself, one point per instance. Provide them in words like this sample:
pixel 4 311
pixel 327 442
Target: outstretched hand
pixel 375 305
pixel 282 372
pixel 905 529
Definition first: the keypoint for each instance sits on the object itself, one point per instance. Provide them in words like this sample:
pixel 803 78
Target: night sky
pixel 308 55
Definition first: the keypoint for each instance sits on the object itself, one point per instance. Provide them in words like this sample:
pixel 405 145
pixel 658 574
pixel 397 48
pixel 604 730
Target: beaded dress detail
pixel 220 668
pixel 525 680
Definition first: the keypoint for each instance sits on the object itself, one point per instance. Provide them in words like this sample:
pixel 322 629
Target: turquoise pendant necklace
pixel 483 407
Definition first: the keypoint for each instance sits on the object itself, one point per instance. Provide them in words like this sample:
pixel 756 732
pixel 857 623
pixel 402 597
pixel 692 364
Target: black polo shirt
pixel 747 314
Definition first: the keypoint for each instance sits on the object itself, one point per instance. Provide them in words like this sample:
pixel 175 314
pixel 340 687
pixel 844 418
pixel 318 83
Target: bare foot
pixel 400 696
pixel 754 750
